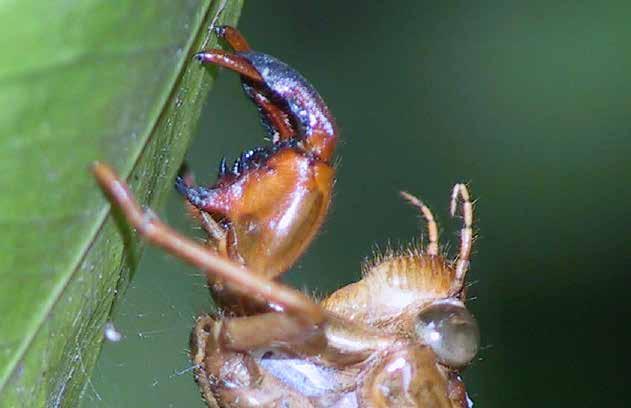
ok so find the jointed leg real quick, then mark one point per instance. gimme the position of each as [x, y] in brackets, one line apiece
[233, 37]
[271, 112]
[214, 230]
[216, 234]
[273, 329]
[232, 378]
[267, 329]
[466, 233]
[432, 227]
[236, 276]
[273, 116]
[231, 61]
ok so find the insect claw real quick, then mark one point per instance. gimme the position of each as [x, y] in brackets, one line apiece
[223, 168]
[195, 195]
[237, 167]
[180, 185]
[234, 39]
[259, 155]
[260, 216]
[219, 30]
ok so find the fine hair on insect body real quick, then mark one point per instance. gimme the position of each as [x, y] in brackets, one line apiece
[398, 337]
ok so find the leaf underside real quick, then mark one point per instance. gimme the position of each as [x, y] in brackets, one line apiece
[93, 80]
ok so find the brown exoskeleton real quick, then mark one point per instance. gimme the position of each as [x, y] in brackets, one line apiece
[399, 337]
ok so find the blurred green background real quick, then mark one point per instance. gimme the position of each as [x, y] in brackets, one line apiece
[528, 102]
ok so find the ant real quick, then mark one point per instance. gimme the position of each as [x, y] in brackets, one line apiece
[398, 337]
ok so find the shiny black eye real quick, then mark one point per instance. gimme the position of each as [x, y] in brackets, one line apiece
[451, 331]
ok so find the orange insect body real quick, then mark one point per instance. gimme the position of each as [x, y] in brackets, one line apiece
[397, 338]
[274, 210]
[275, 198]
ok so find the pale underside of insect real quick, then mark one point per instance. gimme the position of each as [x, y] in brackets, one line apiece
[399, 337]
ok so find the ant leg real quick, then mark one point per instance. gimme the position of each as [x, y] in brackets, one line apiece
[239, 278]
[432, 227]
[231, 61]
[466, 233]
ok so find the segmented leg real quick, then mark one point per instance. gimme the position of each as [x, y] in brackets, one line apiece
[275, 121]
[231, 61]
[234, 379]
[274, 118]
[432, 227]
[214, 231]
[216, 234]
[161, 235]
[408, 377]
[466, 233]
[251, 332]
[233, 37]
[300, 105]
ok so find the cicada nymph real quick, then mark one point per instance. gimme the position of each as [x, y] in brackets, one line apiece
[399, 337]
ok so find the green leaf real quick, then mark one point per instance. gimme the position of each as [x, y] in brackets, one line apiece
[83, 81]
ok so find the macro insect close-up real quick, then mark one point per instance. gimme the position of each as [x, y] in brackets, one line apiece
[442, 223]
[398, 337]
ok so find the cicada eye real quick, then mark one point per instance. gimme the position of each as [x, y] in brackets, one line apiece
[451, 331]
